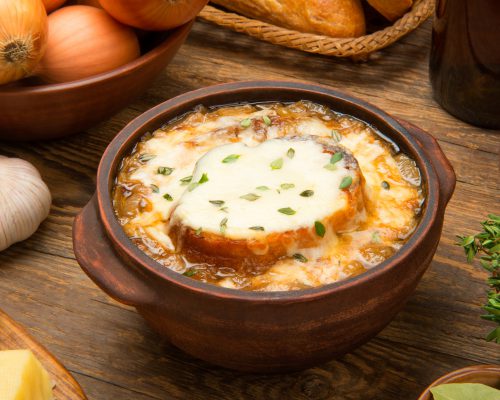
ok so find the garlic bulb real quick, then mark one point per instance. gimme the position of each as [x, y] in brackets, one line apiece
[24, 200]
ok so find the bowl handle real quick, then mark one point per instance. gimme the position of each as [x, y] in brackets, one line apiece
[95, 254]
[442, 166]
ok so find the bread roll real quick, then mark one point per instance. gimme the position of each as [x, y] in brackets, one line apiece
[391, 9]
[336, 18]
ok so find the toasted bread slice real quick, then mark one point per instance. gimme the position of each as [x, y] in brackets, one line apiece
[250, 206]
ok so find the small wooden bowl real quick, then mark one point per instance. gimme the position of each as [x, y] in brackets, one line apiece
[39, 112]
[485, 374]
[261, 331]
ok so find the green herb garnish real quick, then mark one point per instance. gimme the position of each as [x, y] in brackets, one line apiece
[336, 135]
[231, 158]
[217, 203]
[346, 182]
[385, 185]
[166, 196]
[267, 120]
[165, 170]
[155, 188]
[190, 272]
[487, 243]
[198, 231]
[223, 225]
[307, 193]
[250, 197]
[186, 180]
[330, 167]
[277, 164]
[257, 228]
[287, 211]
[286, 186]
[194, 185]
[224, 209]
[246, 123]
[262, 188]
[300, 257]
[320, 228]
[143, 158]
[376, 237]
[336, 157]
[290, 153]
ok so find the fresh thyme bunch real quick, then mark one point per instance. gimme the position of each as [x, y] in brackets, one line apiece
[487, 243]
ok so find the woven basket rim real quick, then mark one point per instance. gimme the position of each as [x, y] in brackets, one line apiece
[359, 47]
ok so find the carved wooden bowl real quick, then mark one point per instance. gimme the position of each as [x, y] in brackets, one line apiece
[259, 331]
[30, 111]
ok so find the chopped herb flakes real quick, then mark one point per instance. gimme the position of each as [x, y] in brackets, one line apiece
[290, 153]
[262, 188]
[286, 186]
[190, 272]
[143, 158]
[186, 180]
[287, 211]
[385, 185]
[165, 170]
[166, 196]
[231, 158]
[224, 209]
[336, 157]
[267, 120]
[330, 167]
[194, 185]
[250, 197]
[307, 193]
[217, 203]
[257, 228]
[155, 189]
[300, 257]
[223, 225]
[246, 123]
[203, 179]
[320, 228]
[277, 164]
[198, 231]
[376, 237]
[346, 182]
[336, 136]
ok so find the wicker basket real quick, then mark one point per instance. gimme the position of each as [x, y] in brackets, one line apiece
[357, 48]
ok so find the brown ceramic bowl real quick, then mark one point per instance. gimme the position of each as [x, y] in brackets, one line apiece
[486, 374]
[35, 112]
[256, 331]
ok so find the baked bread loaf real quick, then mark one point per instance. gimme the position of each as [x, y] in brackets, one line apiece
[391, 9]
[335, 18]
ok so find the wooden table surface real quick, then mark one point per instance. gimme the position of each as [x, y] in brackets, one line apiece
[114, 355]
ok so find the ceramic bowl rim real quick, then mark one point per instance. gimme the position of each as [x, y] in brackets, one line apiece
[116, 234]
[162, 47]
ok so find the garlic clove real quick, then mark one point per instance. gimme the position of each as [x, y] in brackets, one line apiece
[24, 200]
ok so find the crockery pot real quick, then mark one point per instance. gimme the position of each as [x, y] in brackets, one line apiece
[261, 331]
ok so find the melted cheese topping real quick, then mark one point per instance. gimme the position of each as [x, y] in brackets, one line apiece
[154, 182]
[251, 190]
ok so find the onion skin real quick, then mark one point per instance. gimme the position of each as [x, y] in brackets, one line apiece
[51, 5]
[153, 15]
[85, 41]
[23, 37]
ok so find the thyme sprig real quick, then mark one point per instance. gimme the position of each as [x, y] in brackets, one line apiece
[487, 244]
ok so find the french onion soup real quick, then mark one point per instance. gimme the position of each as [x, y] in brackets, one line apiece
[268, 197]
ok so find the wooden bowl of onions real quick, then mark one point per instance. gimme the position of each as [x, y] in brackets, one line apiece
[85, 67]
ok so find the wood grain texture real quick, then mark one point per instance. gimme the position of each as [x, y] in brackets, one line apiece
[114, 355]
[14, 337]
